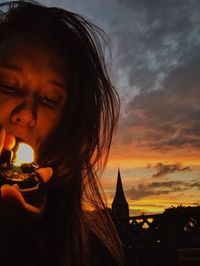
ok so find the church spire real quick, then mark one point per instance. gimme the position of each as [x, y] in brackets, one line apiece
[120, 205]
[119, 188]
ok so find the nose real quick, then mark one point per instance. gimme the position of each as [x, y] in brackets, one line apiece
[23, 116]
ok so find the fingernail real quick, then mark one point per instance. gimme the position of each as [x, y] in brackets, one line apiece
[16, 186]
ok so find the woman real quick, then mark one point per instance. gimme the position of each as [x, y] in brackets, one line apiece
[55, 94]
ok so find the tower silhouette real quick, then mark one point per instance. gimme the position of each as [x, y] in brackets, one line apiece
[120, 212]
[120, 208]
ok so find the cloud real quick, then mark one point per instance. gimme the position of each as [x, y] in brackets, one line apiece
[196, 185]
[165, 169]
[156, 60]
[167, 118]
[160, 188]
[153, 37]
[157, 56]
[195, 204]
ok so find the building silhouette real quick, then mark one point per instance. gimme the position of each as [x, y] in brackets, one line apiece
[120, 211]
[120, 206]
[171, 238]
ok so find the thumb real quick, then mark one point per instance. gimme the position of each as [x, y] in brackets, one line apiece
[12, 196]
[45, 173]
[9, 142]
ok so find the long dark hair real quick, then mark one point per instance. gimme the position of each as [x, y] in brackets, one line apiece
[79, 147]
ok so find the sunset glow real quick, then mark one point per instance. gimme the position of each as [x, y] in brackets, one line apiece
[155, 68]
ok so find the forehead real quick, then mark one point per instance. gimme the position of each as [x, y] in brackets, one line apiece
[21, 47]
[33, 64]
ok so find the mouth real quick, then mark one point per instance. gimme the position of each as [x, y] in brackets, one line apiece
[21, 140]
[18, 139]
[21, 137]
[17, 142]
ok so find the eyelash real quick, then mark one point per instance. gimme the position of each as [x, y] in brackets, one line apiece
[49, 102]
[14, 90]
[9, 89]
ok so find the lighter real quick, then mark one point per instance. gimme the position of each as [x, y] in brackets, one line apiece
[19, 169]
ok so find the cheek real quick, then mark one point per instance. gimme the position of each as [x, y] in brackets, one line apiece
[47, 123]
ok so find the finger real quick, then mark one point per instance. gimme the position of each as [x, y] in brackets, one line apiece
[16, 204]
[45, 173]
[2, 137]
[36, 211]
[12, 195]
[9, 142]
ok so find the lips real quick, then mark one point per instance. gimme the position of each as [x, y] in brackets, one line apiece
[15, 130]
[23, 140]
[19, 139]
[22, 135]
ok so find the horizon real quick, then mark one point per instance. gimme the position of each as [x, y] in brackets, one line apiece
[140, 207]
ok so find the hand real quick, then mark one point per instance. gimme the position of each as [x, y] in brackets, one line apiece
[12, 203]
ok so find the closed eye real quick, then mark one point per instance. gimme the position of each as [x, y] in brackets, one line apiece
[9, 89]
[50, 102]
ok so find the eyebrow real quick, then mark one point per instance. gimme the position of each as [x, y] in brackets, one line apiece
[17, 69]
[58, 84]
[10, 67]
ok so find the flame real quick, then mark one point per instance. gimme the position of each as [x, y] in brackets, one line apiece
[24, 154]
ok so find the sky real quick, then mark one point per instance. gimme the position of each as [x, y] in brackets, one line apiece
[155, 67]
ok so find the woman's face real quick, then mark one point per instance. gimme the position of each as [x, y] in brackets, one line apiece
[32, 89]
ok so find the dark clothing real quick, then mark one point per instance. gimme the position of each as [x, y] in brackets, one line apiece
[44, 243]
[18, 249]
